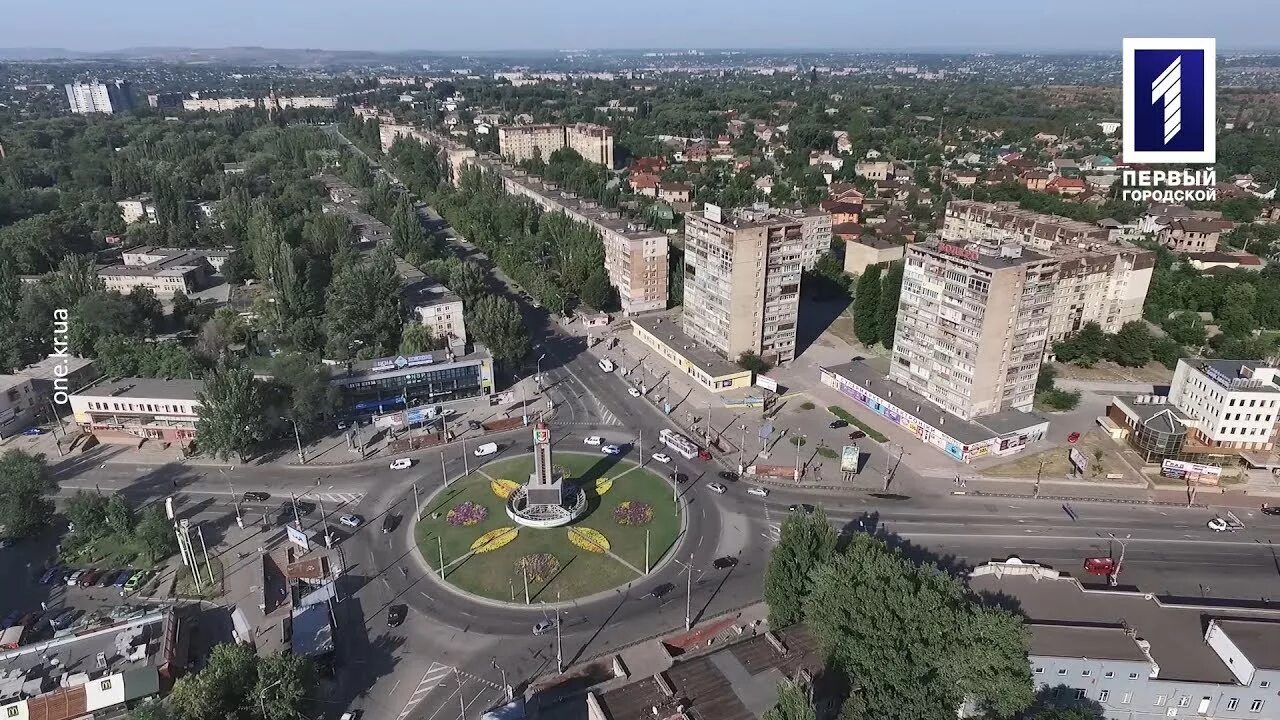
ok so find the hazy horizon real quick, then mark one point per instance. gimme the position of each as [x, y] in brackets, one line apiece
[939, 26]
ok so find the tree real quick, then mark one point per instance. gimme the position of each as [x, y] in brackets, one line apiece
[866, 307]
[24, 480]
[749, 360]
[87, 511]
[1131, 346]
[224, 329]
[805, 543]
[222, 690]
[793, 703]
[890, 290]
[1085, 348]
[155, 532]
[304, 384]
[597, 293]
[148, 312]
[1186, 328]
[183, 308]
[286, 686]
[497, 324]
[1045, 380]
[98, 315]
[467, 279]
[76, 277]
[232, 416]
[913, 639]
[119, 516]
[362, 308]
[416, 338]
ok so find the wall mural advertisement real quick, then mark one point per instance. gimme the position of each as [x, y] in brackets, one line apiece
[903, 420]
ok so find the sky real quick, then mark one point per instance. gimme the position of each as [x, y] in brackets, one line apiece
[459, 25]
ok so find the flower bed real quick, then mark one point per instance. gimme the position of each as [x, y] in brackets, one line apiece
[467, 514]
[539, 568]
[633, 512]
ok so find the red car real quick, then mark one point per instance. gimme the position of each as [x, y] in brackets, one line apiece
[704, 455]
[89, 578]
[1104, 566]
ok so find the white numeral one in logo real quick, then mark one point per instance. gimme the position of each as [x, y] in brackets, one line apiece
[1168, 87]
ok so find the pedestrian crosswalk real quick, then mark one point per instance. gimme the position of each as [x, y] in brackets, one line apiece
[465, 692]
[435, 675]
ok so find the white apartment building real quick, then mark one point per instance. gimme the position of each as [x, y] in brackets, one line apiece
[593, 142]
[137, 209]
[434, 305]
[1231, 403]
[218, 104]
[972, 325]
[96, 97]
[186, 271]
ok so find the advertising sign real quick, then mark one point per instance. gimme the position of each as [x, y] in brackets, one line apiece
[298, 537]
[767, 383]
[1078, 460]
[1180, 470]
[415, 416]
[849, 459]
[752, 401]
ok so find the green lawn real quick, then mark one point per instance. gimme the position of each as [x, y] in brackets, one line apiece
[849, 418]
[494, 574]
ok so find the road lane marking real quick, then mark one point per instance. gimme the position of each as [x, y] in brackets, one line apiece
[431, 679]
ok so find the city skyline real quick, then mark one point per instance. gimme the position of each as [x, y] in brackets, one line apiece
[812, 25]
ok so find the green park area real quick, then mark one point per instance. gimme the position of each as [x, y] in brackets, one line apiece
[486, 553]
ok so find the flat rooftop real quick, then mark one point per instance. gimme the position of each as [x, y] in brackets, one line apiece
[1175, 632]
[745, 218]
[668, 330]
[1146, 409]
[365, 369]
[174, 265]
[968, 432]
[420, 290]
[1236, 370]
[45, 369]
[1259, 640]
[739, 682]
[177, 389]
[1084, 641]
[981, 258]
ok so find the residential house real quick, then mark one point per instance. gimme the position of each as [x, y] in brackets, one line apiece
[644, 184]
[137, 209]
[826, 158]
[674, 192]
[1065, 167]
[1035, 179]
[764, 184]
[1192, 235]
[964, 178]
[1066, 186]
[842, 211]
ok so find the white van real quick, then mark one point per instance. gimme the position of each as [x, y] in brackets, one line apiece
[487, 449]
[606, 364]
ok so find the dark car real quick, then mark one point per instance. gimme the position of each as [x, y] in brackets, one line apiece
[724, 563]
[837, 423]
[1270, 510]
[108, 578]
[390, 522]
[64, 619]
[396, 615]
[256, 496]
[679, 477]
[805, 508]
[305, 508]
[662, 590]
[857, 435]
[727, 476]
[123, 578]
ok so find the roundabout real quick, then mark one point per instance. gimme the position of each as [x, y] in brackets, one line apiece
[582, 524]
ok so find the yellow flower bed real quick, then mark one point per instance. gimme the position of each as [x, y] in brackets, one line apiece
[494, 539]
[603, 485]
[503, 487]
[590, 540]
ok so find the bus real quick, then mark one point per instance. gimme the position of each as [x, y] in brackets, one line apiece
[681, 445]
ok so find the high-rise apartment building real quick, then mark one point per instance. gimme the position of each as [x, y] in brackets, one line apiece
[96, 97]
[517, 143]
[972, 325]
[1098, 281]
[742, 280]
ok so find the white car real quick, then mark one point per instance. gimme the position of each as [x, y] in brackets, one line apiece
[661, 457]
[611, 450]
[1217, 525]
[447, 412]
[606, 364]
[487, 449]
[352, 521]
[633, 392]
[717, 488]
[592, 440]
[758, 491]
[401, 464]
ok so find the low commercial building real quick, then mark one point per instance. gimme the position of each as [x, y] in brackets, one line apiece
[137, 209]
[184, 271]
[55, 375]
[150, 255]
[1153, 427]
[866, 250]
[20, 404]
[1137, 656]
[131, 409]
[394, 383]
[997, 434]
[705, 366]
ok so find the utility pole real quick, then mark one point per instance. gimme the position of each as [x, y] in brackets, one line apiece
[57, 423]
[797, 440]
[525, 573]
[1039, 472]
[646, 551]
[296, 518]
[234, 498]
[559, 643]
[208, 566]
[505, 687]
[324, 516]
[443, 472]
[688, 596]
[297, 438]
[742, 450]
[466, 464]
[417, 504]
[462, 706]
[640, 444]
[1114, 577]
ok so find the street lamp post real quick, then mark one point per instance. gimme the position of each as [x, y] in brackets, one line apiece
[297, 438]
[742, 450]
[1114, 578]
[798, 440]
[234, 498]
[540, 359]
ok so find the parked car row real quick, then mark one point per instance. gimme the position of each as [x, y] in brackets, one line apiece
[128, 580]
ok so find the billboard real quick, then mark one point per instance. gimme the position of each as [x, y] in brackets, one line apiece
[767, 383]
[1078, 460]
[1181, 470]
[298, 537]
[849, 459]
[753, 401]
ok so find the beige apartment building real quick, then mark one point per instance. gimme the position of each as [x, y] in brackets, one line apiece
[972, 325]
[218, 104]
[518, 143]
[1098, 280]
[742, 281]
[634, 256]
[186, 271]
